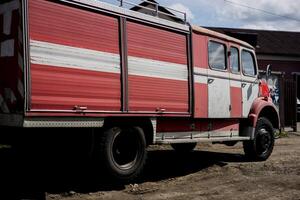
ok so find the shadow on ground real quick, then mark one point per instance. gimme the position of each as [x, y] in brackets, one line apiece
[28, 177]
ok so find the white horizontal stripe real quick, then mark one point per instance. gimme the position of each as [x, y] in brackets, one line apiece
[45, 53]
[157, 69]
[235, 76]
[200, 70]
[235, 83]
[200, 79]
[224, 74]
[249, 78]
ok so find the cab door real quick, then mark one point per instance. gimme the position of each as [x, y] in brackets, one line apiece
[235, 82]
[250, 84]
[218, 81]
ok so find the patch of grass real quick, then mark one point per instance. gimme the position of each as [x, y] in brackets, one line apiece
[281, 134]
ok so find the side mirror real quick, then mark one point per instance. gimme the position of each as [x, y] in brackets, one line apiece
[269, 71]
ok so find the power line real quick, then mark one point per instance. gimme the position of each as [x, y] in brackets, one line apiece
[261, 10]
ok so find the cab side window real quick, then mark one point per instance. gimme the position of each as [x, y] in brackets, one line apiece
[248, 63]
[216, 54]
[234, 60]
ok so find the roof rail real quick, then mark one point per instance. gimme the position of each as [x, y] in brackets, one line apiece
[182, 15]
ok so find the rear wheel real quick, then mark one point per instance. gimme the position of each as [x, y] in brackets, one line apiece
[122, 152]
[184, 147]
[262, 146]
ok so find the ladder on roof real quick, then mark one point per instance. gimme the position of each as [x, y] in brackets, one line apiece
[176, 13]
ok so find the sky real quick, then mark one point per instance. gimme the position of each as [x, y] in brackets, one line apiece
[283, 15]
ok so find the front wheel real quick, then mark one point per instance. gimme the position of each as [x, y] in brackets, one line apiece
[122, 152]
[262, 146]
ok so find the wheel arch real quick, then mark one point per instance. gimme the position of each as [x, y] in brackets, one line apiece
[263, 108]
[271, 114]
[142, 122]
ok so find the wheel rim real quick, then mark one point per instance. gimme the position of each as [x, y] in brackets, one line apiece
[125, 149]
[264, 141]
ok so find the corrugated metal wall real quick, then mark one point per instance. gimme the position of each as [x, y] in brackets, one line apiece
[158, 71]
[75, 61]
[74, 58]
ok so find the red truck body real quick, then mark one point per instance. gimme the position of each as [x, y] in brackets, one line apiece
[82, 63]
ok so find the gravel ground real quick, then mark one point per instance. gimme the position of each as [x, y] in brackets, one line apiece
[210, 172]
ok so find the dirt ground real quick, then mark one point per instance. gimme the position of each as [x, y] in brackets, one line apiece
[210, 172]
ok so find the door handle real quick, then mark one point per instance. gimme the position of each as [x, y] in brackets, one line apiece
[80, 108]
[160, 110]
[210, 80]
[244, 85]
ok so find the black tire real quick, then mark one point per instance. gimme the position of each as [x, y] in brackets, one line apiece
[122, 153]
[261, 147]
[184, 147]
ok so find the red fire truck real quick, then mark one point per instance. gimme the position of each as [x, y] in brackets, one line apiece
[135, 79]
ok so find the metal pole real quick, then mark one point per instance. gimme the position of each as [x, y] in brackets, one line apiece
[156, 9]
[121, 3]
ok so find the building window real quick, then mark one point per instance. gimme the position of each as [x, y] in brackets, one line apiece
[248, 63]
[234, 60]
[216, 54]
